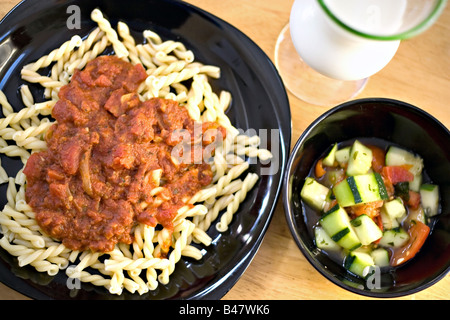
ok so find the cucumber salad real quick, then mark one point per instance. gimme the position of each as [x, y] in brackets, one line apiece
[373, 203]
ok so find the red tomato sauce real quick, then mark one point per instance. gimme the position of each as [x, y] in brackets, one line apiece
[93, 184]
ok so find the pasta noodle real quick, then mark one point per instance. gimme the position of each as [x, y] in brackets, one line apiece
[138, 267]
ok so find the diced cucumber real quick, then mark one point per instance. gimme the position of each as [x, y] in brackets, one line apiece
[366, 229]
[336, 224]
[394, 238]
[314, 193]
[342, 156]
[348, 239]
[334, 175]
[416, 183]
[381, 186]
[335, 220]
[360, 189]
[380, 257]
[331, 157]
[395, 208]
[364, 249]
[360, 160]
[429, 195]
[415, 215]
[357, 262]
[344, 194]
[324, 241]
[388, 222]
[397, 156]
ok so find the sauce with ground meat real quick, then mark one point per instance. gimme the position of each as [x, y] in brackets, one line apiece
[106, 153]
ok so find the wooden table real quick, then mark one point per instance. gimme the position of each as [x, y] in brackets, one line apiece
[418, 74]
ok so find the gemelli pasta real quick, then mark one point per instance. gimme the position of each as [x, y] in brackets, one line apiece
[146, 262]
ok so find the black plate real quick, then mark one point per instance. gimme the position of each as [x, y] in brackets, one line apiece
[34, 28]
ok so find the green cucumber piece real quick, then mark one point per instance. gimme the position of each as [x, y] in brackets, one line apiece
[416, 183]
[357, 262]
[324, 241]
[344, 194]
[395, 208]
[394, 238]
[331, 157]
[342, 156]
[366, 229]
[380, 257]
[381, 186]
[335, 220]
[314, 193]
[357, 193]
[360, 189]
[429, 195]
[388, 222]
[336, 224]
[396, 156]
[360, 160]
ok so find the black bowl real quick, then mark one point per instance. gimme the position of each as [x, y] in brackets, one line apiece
[385, 120]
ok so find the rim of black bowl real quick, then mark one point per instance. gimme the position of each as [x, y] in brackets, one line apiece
[288, 210]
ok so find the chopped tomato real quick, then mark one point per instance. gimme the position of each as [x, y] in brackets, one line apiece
[414, 200]
[389, 186]
[396, 174]
[418, 233]
[379, 222]
[319, 170]
[378, 156]
[371, 209]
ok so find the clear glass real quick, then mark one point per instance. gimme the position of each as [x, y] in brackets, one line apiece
[330, 48]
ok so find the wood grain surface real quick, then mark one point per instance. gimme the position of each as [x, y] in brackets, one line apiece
[418, 74]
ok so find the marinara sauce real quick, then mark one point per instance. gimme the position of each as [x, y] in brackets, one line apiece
[107, 152]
